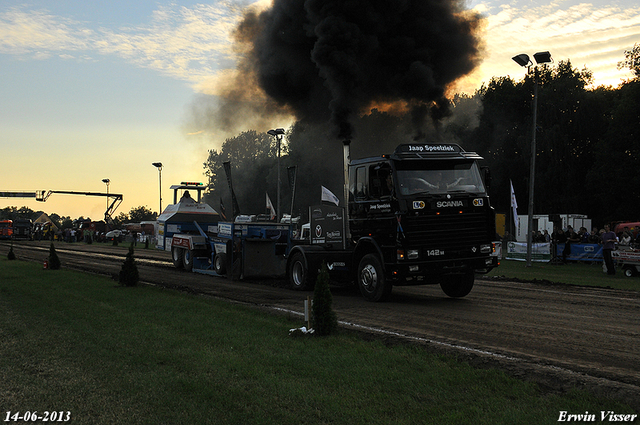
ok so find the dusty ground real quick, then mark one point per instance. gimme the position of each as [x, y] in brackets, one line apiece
[556, 335]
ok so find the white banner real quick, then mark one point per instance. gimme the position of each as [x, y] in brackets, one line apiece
[539, 251]
[514, 206]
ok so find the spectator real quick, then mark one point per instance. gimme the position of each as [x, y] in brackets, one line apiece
[625, 237]
[595, 236]
[584, 235]
[609, 240]
[572, 238]
[547, 236]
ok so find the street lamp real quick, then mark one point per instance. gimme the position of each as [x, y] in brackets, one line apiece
[278, 133]
[158, 165]
[107, 181]
[523, 60]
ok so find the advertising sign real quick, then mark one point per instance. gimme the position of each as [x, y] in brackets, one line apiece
[327, 225]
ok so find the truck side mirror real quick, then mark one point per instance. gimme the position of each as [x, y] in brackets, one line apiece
[486, 176]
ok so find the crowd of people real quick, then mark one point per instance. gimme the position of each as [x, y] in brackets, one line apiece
[625, 238]
[610, 241]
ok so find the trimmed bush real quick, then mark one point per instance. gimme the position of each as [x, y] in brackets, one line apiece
[129, 272]
[54, 261]
[324, 320]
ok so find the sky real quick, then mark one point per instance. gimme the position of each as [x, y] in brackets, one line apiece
[102, 89]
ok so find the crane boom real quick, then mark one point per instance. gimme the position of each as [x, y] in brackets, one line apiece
[17, 194]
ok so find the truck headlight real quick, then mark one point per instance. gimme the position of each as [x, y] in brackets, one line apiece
[413, 254]
[486, 249]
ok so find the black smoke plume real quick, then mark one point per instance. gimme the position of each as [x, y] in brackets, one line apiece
[329, 60]
[375, 71]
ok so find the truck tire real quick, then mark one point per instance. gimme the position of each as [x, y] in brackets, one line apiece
[629, 271]
[371, 279]
[220, 264]
[458, 285]
[177, 256]
[187, 259]
[299, 277]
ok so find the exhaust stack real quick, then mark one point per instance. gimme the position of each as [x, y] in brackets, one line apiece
[347, 161]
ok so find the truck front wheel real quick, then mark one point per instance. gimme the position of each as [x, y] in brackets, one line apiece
[371, 280]
[458, 285]
[176, 255]
[299, 276]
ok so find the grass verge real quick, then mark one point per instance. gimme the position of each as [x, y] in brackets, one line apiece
[109, 355]
[578, 273]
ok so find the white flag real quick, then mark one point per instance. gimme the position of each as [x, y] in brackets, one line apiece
[272, 211]
[328, 196]
[514, 206]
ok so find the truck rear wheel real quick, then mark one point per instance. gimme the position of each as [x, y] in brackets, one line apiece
[220, 264]
[371, 279]
[458, 285]
[299, 276]
[187, 260]
[177, 256]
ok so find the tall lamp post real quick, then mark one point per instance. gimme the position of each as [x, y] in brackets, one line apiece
[278, 133]
[158, 165]
[107, 181]
[106, 222]
[523, 60]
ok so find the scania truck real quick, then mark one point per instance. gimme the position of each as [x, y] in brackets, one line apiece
[420, 215]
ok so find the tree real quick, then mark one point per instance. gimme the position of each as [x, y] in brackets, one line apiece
[569, 125]
[120, 219]
[54, 261]
[141, 213]
[252, 156]
[631, 60]
[324, 319]
[613, 178]
[129, 272]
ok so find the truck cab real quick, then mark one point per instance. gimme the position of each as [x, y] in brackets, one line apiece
[424, 212]
[420, 215]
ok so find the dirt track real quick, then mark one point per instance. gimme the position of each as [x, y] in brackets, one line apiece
[559, 336]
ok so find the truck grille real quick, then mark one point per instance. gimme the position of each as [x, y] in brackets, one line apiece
[448, 232]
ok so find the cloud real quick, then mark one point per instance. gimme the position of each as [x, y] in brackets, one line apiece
[590, 35]
[191, 44]
[194, 44]
[37, 32]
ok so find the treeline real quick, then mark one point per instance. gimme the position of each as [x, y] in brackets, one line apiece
[588, 147]
[135, 215]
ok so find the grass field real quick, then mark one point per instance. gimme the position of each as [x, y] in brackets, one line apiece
[579, 273]
[78, 343]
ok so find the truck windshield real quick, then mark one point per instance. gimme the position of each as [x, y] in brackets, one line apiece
[439, 177]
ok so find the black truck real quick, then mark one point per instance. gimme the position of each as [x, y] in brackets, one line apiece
[420, 215]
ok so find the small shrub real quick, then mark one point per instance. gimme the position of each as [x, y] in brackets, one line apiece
[54, 261]
[129, 272]
[11, 255]
[323, 320]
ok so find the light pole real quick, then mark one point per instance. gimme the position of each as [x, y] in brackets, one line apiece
[158, 165]
[278, 133]
[107, 181]
[523, 60]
